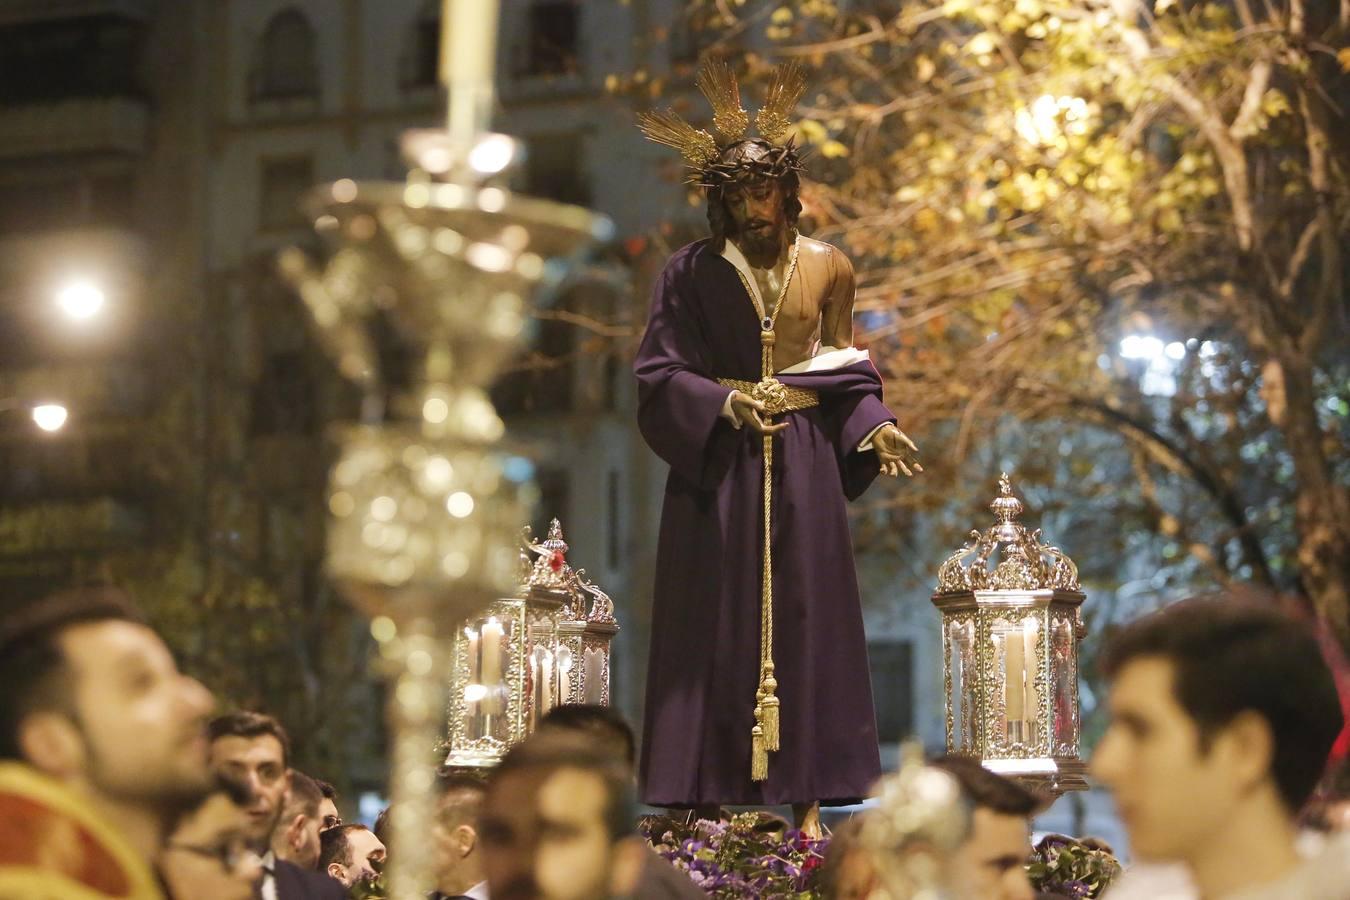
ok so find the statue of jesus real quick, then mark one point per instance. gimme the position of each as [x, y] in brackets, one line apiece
[749, 386]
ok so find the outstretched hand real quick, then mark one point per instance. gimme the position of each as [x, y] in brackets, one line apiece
[896, 452]
[750, 411]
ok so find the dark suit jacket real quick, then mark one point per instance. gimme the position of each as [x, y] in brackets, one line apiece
[295, 883]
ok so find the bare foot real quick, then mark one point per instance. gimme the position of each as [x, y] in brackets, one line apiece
[807, 818]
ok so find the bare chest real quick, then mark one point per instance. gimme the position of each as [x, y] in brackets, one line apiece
[797, 326]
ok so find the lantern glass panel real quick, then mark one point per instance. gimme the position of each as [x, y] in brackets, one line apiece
[487, 644]
[960, 662]
[596, 676]
[1065, 668]
[1015, 646]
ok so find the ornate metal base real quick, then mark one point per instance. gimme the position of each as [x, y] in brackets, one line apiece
[1055, 776]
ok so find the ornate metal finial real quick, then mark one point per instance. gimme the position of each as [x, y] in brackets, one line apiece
[549, 570]
[1026, 564]
[602, 607]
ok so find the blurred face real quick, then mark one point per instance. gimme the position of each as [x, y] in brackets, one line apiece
[141, 721]
[992, 862]
[208, 853]
[258, 762]
[365, 857]
[759, 222]
[544, 836]
[855, 878]
[1170, 794]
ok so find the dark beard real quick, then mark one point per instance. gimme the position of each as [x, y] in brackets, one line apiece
[761, 249]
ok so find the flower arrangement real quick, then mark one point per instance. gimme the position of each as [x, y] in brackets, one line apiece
[1072, 868]
[753, 855]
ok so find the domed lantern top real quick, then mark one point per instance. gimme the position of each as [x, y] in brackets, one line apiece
[1025, 563]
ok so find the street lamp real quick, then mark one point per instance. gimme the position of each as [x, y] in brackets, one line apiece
[50, 416]
[47, 416]
[81, 300]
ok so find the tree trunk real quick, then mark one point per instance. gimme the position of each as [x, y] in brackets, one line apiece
[1322, 507]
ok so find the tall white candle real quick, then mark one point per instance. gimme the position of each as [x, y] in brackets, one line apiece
[1030, 635]
[468, 64]
[492, 665]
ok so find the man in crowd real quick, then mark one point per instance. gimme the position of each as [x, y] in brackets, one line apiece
[102, 747]
[208, 854]
[608, 730]
[328, 811]
[255, 750]
[557, 823]
[296, 837]
[1222, 713]
[992, 862]
[459, 852]
[351, 853]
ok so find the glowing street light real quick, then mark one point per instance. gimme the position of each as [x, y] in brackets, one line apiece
[81, 300]
[50, 416]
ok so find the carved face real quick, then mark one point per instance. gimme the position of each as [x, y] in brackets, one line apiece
[758, 219]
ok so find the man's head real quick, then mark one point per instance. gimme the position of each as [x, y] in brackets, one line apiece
[328, 811]
[993, 859]
[557, 823]
[93, 698]
[296, 837]
[208, 853]
[753, 197]
[351, 853]
[459, 860]
[1222, 711]
[601, 724]
[254, 749]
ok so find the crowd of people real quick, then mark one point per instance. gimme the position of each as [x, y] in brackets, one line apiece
[117, 779]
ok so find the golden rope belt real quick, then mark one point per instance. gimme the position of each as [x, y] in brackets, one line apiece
[777, 398]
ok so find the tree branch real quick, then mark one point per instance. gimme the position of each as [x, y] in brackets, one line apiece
[1169, 453]
[1258, 80]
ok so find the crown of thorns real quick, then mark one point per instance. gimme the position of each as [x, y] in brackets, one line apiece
[703, 153]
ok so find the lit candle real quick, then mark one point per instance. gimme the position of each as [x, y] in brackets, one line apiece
[492, 665]
[1030, 634]
[1014, 675]
[468, 64]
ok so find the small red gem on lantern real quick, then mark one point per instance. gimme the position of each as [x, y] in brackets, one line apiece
[555, 561]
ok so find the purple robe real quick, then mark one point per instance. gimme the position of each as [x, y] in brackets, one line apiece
[704, 662]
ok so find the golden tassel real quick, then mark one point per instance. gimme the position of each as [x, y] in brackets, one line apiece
[759, 756]
[770, 720]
